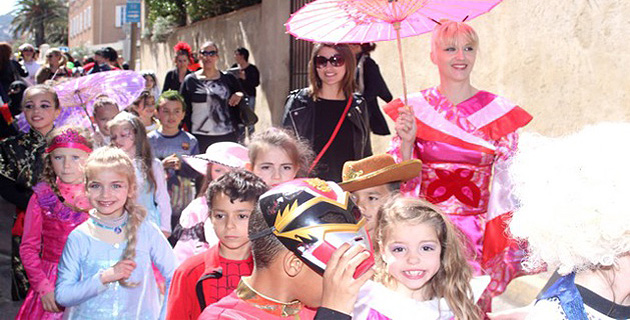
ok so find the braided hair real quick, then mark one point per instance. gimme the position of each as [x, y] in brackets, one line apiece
[114, 159]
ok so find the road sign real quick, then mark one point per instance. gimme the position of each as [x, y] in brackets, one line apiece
[133, 12]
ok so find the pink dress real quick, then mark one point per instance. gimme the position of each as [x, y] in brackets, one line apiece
[465, 150]
[46, 227]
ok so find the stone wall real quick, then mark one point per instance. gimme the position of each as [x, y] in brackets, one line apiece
[566, 62]
[258, 28]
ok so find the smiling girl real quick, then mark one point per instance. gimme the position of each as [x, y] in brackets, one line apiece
[420, 258]
[105, 269]
[328, 114]
[21, 166]
[58, 205]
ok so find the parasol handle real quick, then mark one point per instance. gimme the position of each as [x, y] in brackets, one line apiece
[400, 59]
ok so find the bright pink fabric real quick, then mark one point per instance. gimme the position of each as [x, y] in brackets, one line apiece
[460, 179]
[46, 233]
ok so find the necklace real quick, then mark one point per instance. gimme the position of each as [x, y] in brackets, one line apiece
[115, 225]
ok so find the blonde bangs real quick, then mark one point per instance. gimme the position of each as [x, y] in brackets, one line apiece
[449, 32]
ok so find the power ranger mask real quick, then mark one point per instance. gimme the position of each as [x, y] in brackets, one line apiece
[313, 218]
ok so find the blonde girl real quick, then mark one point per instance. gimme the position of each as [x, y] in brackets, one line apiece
[127, 133]
[57, 206]
[276, 156]
[105, 269]
[420, 257]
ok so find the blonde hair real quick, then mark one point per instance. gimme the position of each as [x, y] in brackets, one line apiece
[114, 159]
[452, 281]
[571, 190]
[298, 150]
[62, 61]
[140, 140]
[448, 31]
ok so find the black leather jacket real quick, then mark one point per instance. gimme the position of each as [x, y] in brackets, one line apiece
[299, 116]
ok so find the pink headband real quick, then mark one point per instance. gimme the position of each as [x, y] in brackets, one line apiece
[69, 138]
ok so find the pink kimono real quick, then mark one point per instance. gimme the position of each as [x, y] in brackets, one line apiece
[47, 224]
[465, 150]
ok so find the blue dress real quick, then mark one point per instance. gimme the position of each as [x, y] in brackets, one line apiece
[84, 257]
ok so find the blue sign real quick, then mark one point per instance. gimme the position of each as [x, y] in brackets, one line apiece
[133, 12]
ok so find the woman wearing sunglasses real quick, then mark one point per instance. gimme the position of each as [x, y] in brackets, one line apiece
[328, 113]
[27, 53]
[212, 97]
[55, 67]
[465, 138]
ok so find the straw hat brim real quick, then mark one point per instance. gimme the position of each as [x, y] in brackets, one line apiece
[403, 171]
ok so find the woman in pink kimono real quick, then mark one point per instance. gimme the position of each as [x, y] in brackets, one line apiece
[464, 138]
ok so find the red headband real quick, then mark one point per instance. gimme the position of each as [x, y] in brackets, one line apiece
[69, 138]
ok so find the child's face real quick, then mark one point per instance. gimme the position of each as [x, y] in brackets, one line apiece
[122, 137]
[274, 166]
[170, 114]
[68, 164]
[369, 201]
[107, 191]
[230, 221]
[218, 170]
[103, 115]
[39, 110]
[412, 255]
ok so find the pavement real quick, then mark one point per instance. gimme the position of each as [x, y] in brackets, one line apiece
[8, 308]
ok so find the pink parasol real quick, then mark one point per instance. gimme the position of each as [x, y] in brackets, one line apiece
[359, 21]
[77, 96]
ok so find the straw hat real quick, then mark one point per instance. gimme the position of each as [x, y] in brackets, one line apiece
[377, 170]
[228, 154]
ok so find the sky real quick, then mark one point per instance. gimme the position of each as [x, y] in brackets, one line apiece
[7, 6]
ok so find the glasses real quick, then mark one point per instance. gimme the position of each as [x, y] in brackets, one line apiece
[50, 56]
[336, 61]
[210, 53]
[27, 50]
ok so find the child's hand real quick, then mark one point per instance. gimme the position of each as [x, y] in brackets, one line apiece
[340, 286]
[172, 161]
[48, 302]
[121, 270]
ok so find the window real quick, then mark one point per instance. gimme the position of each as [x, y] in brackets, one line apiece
[120, 15]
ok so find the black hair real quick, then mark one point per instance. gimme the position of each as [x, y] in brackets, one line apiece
[243, 52]
[237, 184]
[266, 248]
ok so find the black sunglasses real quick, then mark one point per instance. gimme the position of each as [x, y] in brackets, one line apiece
[210, 53]
[336, 61]
[28, 50]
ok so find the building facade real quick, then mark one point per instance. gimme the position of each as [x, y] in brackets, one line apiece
[96, 23]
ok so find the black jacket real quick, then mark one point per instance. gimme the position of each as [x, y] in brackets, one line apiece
[299, 116]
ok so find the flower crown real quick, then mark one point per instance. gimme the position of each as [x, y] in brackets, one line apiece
[69, 138]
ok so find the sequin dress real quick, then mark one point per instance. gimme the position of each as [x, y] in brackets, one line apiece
[84, 257]
[465, 150]
[47, 224]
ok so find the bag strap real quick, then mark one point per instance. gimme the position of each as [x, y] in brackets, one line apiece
[332, 136]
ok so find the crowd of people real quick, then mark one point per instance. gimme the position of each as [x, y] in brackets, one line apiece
[173, 208]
